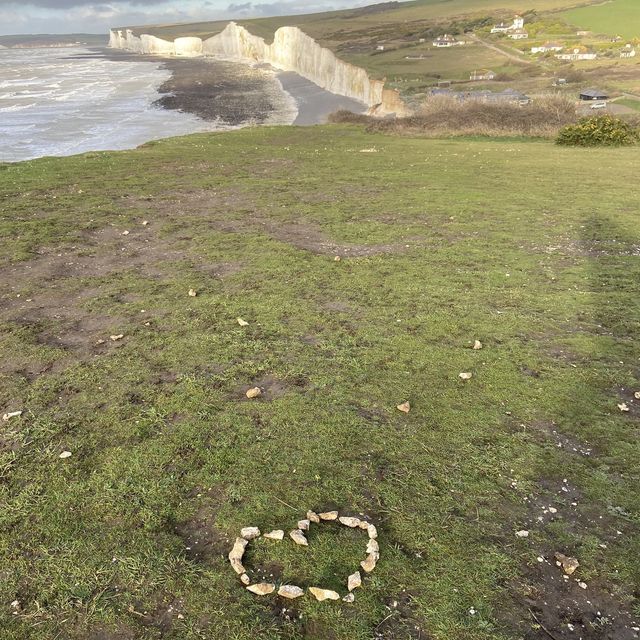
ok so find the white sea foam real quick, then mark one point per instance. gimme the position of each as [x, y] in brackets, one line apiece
[57, 102]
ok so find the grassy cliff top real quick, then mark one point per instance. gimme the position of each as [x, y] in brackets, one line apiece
[529, 248]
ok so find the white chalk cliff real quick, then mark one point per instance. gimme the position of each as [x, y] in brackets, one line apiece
[292, 50]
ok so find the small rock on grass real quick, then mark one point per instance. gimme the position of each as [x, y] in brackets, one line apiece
[370, 563]
[241, 322]
[349, 522]
[373, 546]
[298, 537]
[477, 345]
[636, 395]
[116, 337]
[245, 579]
[405, 407]
[465, 375]
[354, 581]
[568, 564]
[276, 534]
[262, 588]
[249, 533]
[324, 594]
[235, 555]
[312, 516]
[11, 414]
[254, 392]
[623, 406]
[192, 293]
[522, 534]
[328, 515]
[290, 591]
[373, 532]
[64, 455]
[349, 598]
[303, 525]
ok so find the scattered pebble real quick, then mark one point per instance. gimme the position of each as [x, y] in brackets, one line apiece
[245, 579]
[116, 337]
[145, 223]
[193, 293]
[125, 233]
[337, 259]
[64, 455]
[349, 598]
[405, 407]
[477, 345]
[522, 534]
[568, 564]
[303, 525]
[254, 392]
[582, 585]
[241, 322]
[11, 414]
[465, 375]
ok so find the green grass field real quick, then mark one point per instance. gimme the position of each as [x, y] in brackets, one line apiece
[614, 18]
[530, 248]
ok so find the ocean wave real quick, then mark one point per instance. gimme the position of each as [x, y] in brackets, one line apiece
[17, 107]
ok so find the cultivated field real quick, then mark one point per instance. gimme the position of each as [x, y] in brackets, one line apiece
[528, 248]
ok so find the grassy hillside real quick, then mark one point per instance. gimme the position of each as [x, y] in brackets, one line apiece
[614, 18]
[521, 245]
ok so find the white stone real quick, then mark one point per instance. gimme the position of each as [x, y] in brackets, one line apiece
[329, 515]
[349, 598]
[303, 525]
[64, 455]
[236, 553]
[373, 546]
[312, 516]
[465, 375]
[249, 533]
[244, 578]
[254, 392]
[324, 594]
[373, 532]
[522, 534]
[354, 581]
[276, 534]
[298, 537]
[11, 414]
[262, 588]
[290, 591]
[370, 563]
[349, 522]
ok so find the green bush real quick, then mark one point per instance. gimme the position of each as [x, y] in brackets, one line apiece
[599, 131]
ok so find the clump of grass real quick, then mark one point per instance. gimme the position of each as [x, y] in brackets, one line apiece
[446, 115]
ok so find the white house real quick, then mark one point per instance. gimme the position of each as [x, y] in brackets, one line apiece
[578, 53]
[628, 52]
[482, 74]
[447, 41]
[546, 47]
[503, 27]
[517, 34]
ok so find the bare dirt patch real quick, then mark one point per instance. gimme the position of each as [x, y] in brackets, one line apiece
[203, 541]
[401, 622]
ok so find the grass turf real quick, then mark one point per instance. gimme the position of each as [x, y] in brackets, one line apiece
[615, 18]
[528, 247]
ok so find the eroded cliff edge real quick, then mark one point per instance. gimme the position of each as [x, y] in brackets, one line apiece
[291, 50]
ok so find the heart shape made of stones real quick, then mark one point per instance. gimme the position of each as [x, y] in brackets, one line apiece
[292, 591]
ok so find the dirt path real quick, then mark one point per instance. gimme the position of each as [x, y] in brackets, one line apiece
[511, 56]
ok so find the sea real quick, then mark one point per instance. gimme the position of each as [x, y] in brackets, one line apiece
[59, 102]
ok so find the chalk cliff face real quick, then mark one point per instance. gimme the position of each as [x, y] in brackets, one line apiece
[292, 50]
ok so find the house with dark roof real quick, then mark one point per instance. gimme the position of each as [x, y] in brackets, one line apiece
[593, 94]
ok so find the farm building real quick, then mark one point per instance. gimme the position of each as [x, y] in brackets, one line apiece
[503, 27]
[628, 52]
[577, 53]
[482, 74]
[517, 34]
[546, 47]
[593, 94]
[447, 41]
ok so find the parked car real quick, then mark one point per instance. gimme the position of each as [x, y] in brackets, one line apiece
[599, 105]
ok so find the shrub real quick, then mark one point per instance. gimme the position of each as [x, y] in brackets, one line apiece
[446, 115]
[599, 131]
